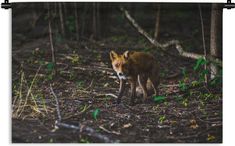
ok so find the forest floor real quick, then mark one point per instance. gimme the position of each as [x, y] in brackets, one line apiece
[83, 85]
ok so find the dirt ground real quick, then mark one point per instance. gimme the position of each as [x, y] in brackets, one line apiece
[186, 119]
[85, 83]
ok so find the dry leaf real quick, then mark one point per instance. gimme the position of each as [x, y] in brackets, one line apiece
[194, 124]
[127, 125]
[210, 137]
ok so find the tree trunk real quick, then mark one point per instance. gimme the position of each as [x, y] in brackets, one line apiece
[157, 24]
[83, 19]
[215, 45]
[51, 40]
[203, 42]
[94, 20]
[97, 20]
[61, 20]
[76, 22]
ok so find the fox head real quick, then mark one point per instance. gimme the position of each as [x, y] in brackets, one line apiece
[121, 64]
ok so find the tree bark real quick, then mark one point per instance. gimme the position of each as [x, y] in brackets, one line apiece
[51, 40]
[61, 19]
[216, 14]
[76, 22]
[203, 41]
[157, 23]
[94, 20]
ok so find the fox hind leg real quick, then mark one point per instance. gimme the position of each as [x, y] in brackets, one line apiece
[142, 79]
[154, 78]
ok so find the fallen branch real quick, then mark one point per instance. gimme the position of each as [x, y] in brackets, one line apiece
[111, 132]
[81, 128]
[57, 104]
[163, 47]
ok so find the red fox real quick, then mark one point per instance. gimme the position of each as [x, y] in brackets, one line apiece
[133, 67]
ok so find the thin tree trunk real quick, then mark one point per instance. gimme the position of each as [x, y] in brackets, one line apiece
[94, 20]
[97, 20]
[65, 10]
[83, 19]
[76, 22]
[203, 41]
[61, 19]
[51, 39]
[157, 24]
[216, 13]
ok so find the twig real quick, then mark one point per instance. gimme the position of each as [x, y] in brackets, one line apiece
[91, 84]
[57, 104]
[163, 47]
[110, 94]
[112, 132]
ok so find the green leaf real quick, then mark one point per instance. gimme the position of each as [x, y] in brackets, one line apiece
[182, 86]
[200, 62]
[184, 72]
[162, 118]
[159, 98]
[195, 83]
[95, 113]
[50, 66]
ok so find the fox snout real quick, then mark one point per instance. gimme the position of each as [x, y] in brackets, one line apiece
[121, 75]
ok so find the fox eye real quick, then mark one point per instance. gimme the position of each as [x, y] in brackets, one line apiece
[117, 65]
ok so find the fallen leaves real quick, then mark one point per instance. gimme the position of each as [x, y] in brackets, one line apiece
[193, 124]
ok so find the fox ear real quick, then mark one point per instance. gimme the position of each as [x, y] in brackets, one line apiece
[113, 55]
[126, 54]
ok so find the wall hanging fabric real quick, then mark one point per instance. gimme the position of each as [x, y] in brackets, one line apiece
[116, 72]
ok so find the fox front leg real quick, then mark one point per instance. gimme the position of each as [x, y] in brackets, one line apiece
[133, 90]
[121, 90]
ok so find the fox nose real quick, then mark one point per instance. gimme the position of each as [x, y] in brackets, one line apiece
[120, 74]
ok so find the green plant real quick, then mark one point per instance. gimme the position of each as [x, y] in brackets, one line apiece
[84, 140]
[75, 59]
[185, 102]
[80, 83]
[50, 70]
[162, 118]
[178, 98]
[183, 86]
[200, 69]
[72, 75]
[95, 113]
[159, 99]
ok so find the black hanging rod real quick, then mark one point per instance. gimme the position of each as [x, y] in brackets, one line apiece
[228, 5]
[6, 4]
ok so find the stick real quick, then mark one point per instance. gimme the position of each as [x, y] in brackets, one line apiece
[106, 130]
[57, 104]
